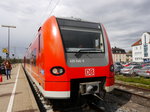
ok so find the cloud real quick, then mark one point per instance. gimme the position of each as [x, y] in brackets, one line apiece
[125, 20]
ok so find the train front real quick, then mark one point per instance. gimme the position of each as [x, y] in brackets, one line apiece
[89, 65]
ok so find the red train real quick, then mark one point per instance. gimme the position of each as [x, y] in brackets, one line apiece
[69, 58]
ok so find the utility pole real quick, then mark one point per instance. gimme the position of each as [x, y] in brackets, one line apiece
[7, 26]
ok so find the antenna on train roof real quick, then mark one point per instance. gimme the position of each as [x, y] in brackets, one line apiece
[72, 18]
[76, 18]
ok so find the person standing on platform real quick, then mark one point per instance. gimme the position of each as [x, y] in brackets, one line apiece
[8, 69]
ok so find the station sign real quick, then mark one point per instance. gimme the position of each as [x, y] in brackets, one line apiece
[5, 50]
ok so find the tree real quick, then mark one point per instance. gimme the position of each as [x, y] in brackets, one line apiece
[129, 52]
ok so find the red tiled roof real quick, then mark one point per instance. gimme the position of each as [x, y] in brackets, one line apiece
[139, 42]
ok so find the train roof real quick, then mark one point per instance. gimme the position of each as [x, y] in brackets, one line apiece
[77, 19]
[75, 22]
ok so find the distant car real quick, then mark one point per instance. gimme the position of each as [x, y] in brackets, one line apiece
[131, 63]
[118, 63]
[145, 71]
[2, 69]
[130, 70]
[127, 64]
[117, 67]
[145, 64]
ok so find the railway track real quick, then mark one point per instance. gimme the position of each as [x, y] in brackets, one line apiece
[136, 94]
[131, 86]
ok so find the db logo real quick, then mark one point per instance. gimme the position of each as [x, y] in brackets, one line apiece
[89, 72]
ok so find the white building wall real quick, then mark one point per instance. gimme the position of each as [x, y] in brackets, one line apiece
[149, 50]
[119, 57]
[138, 51]
[124, 58]
[133, 54]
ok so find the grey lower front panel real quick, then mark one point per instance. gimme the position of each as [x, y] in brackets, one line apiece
[86, 59]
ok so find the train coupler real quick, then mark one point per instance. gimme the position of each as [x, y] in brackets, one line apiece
[89, 88]
[93, 88]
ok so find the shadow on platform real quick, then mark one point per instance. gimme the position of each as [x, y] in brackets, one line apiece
[28, 110]
[9, 94]
[7, 83]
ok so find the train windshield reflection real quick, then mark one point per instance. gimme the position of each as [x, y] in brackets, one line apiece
[82, 40]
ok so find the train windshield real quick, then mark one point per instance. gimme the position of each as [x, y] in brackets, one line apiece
[82, 39]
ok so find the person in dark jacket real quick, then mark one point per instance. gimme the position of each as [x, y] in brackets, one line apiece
[8, 69]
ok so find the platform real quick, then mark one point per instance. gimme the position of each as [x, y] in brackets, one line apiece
[16, 94]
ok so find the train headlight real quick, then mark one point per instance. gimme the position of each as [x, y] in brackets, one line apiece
[112, 68]
[57, 71]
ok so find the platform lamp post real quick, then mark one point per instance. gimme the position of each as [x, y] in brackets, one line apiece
[7, 26]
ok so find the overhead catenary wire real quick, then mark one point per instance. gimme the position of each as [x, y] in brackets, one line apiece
[54, 7]
[44, 13]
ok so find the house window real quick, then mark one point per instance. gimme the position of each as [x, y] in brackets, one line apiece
[136, 48]
[145, 50]
[145, 39]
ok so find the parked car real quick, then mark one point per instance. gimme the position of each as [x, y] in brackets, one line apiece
[126, 64]
[145, 64]
[131, 63]
[145, 71]
[117, 67]
[2, 69]
[118, 63]
[130, 70]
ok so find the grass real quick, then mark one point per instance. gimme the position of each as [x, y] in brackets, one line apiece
[136, 81]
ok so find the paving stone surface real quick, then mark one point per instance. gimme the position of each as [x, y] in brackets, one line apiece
[23, 99]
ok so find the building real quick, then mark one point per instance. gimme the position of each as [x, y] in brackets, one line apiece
[129, 56]
[119, 55]
[141, 49]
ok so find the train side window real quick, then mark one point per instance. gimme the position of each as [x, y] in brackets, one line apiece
[39, 39]
[28, 58]
[33, 59]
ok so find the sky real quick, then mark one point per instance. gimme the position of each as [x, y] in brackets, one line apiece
[124, 20]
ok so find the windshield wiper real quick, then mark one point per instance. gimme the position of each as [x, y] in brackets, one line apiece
[78, 54]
